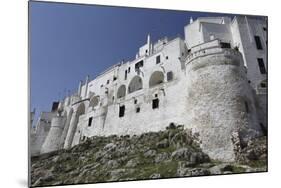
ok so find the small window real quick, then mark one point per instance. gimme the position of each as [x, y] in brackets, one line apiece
[169, 76]
[263, 85]
[138, 65]
[113, 98]
[167, 57]
[146, 51]
[90, 121]
[258, 42]
[225, 45]
[263, 128]
[107, 82]
[246, 107]
[126, 74]
[264, 28]
[114, 78]
[261, 66]
[155, 103]
[156, 95]
[137, 109]
[158, 59]
[101, 85]
[135, 101]
[129, 69]
[121, 111]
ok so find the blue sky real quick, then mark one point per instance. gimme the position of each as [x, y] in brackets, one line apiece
[70, 41]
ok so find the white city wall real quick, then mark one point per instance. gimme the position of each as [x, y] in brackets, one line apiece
[208, 92]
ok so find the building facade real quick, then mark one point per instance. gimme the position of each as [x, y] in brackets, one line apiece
[214, 81]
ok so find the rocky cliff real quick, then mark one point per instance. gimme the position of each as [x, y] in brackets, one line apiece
[171, 153]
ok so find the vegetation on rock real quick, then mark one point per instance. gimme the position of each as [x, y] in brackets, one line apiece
[174, 152]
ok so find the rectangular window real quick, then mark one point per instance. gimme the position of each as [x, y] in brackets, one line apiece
[261, 66]
[158, 59]
[246, 107]
[121, 111]
[263, 85]
[126, 74]
[169, 76]
[155, 103]
[107, 82]
[129, 69]
[137, 109]
[90, 121]
[258, 42]
[225, 45]
[114, 78]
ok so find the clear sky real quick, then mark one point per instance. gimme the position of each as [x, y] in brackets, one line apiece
[70, 41]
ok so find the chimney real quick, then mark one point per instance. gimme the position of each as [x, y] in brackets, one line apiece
[80, 88]
[148, 44]
[86, 85]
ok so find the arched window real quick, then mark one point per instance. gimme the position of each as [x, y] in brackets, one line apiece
[156, 78]
[94, 101]
[121, 92]
[135, 84]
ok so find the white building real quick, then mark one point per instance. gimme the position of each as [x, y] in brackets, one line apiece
[213, 82]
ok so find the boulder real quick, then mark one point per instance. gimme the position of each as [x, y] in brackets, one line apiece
[155, 176]
[132, 163]
[182, 154]
[161, 157]
[163, 144]
[150, 153]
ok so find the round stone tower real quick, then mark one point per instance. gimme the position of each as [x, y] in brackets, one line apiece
[52, 142]
[220, 103]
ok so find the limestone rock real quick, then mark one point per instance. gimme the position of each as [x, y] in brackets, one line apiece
[132, 163]
[150, 153]
[163, 144]
[155, 176]
[181, 154]
[161, 157]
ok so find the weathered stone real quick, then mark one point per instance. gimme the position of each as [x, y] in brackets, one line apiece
[185, 164]
[56, 159]
[215, 170]
[181, 154]
[48, 177]
[116, 174]
[132, 163]
[183, 172]
[111, 164]
[198, 157]
[155, 176]
[199, 172]
[161, 157]
[163, 144]
[110, 147]
[38, 182]
[150, 153]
